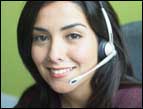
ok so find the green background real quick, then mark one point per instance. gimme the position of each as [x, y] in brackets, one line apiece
[14, 76]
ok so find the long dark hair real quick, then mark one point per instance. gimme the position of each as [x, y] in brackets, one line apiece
[108, 78]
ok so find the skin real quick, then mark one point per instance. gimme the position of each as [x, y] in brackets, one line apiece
[58, 48]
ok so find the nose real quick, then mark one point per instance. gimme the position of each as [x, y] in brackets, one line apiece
[56, 52]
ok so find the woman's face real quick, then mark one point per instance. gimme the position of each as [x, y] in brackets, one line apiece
[64, 45]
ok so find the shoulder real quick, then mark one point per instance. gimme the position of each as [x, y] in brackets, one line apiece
[27, 97]
[128, 97]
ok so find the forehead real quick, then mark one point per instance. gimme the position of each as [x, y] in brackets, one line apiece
[60, 7]
[61, 12]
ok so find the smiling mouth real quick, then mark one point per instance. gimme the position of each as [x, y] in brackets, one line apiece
[60, 72]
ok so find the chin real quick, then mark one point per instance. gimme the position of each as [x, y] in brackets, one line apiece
[62, 88]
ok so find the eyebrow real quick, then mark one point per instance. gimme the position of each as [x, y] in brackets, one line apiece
[72, 26]
[40, 29]
[63, 28]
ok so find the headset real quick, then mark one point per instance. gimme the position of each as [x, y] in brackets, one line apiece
[106, 49]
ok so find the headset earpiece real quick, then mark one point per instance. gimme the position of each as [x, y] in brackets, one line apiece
[105, 49]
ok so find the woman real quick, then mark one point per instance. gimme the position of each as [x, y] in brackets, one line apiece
[59, 41]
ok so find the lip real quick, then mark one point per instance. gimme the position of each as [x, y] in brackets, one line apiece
[59, 68]
[60, 75]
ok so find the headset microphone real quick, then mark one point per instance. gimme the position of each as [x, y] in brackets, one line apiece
[104, 61]
[106, 50]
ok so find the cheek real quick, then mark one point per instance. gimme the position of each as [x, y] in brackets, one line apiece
[79, 55]
[86, 53]
[38, 54]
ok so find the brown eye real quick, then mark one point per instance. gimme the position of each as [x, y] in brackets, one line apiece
[40, 38]
[73, 36]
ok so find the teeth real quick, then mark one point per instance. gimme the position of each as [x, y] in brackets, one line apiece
[60, 71]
